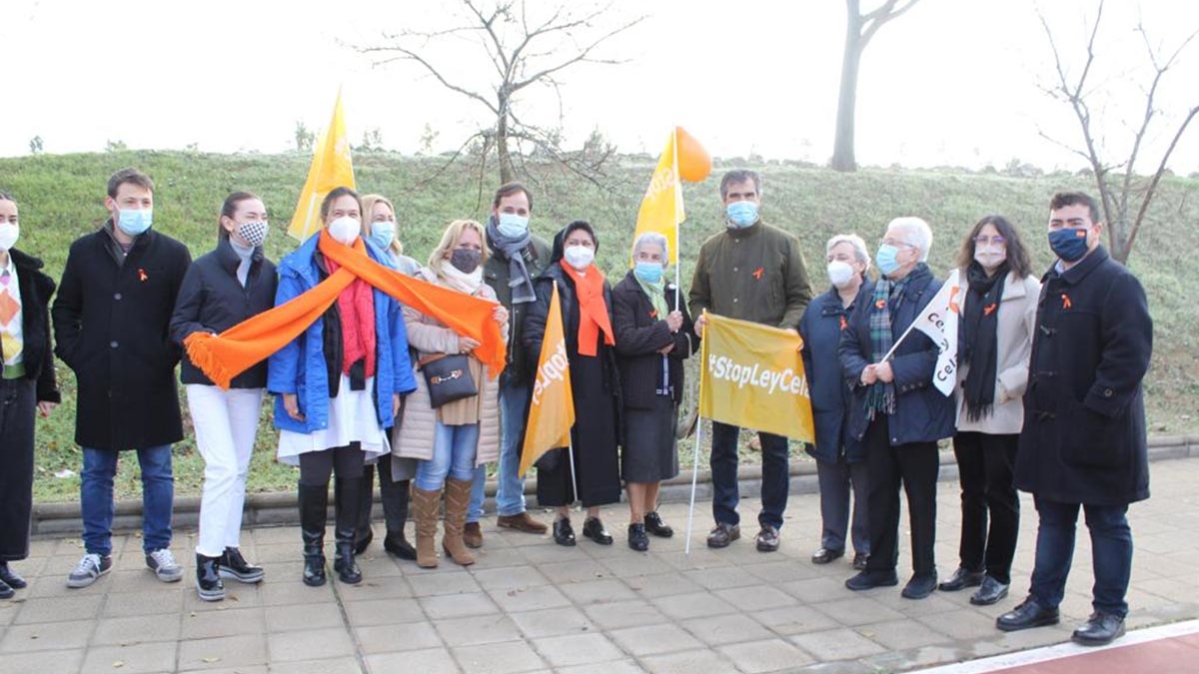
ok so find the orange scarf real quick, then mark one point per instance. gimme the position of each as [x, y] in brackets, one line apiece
[222, 357]
[356, 305]
[593, 313]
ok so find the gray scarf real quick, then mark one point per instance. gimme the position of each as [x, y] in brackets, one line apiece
[246, 255]
[513, 249]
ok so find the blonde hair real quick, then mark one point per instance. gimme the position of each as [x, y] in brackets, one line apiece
[368, 212]
[451, 236]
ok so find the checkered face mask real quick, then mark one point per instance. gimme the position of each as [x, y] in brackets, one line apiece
[253, 233]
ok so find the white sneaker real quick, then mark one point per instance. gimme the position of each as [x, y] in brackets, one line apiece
[163, 564]
[91, 567]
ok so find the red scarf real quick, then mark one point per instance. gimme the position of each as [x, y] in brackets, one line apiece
[357, 307]
[593, 312]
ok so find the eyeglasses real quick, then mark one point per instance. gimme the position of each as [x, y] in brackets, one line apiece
[983, 239]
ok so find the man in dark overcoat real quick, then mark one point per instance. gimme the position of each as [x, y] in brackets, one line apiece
[1083, 443]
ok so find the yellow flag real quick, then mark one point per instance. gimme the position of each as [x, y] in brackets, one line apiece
[552, 410]
[662, 207]
[331, 167]
[752, 376]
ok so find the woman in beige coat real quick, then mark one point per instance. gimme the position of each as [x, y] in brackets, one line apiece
[451, 440]
[998, 318]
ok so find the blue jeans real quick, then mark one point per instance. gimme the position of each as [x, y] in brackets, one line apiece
[95, 495]
[776, 476]
[510, 492]
[1111, 553]
[453, 456]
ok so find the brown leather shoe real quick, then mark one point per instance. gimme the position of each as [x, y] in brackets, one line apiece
[522, 522]
[472, 535]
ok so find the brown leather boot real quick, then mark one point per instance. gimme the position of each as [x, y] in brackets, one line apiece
[457, 500]
[425, 505]
[472, 535]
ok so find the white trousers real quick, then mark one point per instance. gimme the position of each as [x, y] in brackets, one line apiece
[226, 423]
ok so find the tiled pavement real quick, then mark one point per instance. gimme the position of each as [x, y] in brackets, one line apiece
[531, 606]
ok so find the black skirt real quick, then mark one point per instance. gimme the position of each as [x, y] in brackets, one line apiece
[650, 449]
[595, 440]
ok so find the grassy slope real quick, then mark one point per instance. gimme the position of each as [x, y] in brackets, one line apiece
[61, 198]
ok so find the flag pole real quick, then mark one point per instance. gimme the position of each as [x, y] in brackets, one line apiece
[699, 435]
[574, 476]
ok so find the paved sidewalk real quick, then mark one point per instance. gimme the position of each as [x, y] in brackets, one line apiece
[531, 606]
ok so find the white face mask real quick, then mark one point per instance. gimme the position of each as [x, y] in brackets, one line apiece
[579, 257]
[345, 229]
[8, 236]
[990, 257]
[840, 273]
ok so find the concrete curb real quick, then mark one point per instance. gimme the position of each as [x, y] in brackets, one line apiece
[280, 508]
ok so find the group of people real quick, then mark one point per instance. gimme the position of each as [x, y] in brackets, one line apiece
[1047, 396]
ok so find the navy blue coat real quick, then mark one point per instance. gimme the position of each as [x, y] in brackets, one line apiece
[922, 413]
[1084, 412]
[821, 327]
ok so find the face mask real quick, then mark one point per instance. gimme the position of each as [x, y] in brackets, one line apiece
[579, 257]
[742, 213]
[648, 272]
[8, 236]
[512, 226]
[886, 259]
[840, 273]
[135, 221]
[990, 257]
[1070, 244]
[253, 233]
[345, 229]
[382, 233]
[466, 260]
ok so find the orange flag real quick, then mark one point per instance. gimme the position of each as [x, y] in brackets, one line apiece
[662, 206]
[331, 167]
[552, 412]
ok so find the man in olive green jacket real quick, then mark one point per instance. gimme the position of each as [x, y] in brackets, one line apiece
[753, 272]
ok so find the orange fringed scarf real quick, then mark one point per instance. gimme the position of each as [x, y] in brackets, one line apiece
[593, 313]
[222, 357]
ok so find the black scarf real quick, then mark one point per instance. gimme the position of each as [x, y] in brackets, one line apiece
[977, 343]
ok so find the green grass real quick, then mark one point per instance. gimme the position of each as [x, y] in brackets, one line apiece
[61, 198]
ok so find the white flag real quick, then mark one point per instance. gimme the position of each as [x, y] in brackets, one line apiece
[939, 320]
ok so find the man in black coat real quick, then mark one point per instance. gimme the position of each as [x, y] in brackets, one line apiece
[1083, 443]
[111, 327]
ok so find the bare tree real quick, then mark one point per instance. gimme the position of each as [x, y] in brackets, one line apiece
[1118, 184]
[524, 45]
[859, 29]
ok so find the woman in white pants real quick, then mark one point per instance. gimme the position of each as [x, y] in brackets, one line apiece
[221, 289]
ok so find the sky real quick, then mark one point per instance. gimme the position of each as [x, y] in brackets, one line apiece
[951, 83]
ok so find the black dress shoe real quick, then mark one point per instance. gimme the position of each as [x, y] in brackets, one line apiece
[961, 579]
[208, 578]
[860, 560]
[396, 544]
[6, 592]
[362, 542]
[920, 586]
[871, 579]
[638, 540]
[723, 534]
[234, 566]
[594, 529]
[1101, 628]
[11, 578]
[564, 534]
[989, 592]
[655, 526]
[826, 555]
[1027, 615]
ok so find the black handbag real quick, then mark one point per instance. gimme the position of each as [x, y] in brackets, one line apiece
[448, 378]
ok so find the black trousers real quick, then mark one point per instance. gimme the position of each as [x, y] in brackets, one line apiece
[18, 403]
[985, 465]
[915, 466]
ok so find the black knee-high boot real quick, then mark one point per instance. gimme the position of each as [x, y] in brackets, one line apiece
[395, 513]
[314, 506]
[347, 505]
[363, 534]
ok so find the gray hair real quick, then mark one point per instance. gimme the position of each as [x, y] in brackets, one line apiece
[919, 234]
[653, 237]
[858, 244]
[740, 176]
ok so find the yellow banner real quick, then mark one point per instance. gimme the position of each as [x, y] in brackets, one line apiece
[662, 207]
[752, 376]
[552, 409]
[331, 167]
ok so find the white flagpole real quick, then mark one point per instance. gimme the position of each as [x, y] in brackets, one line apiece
[574, 476]
[699, 435]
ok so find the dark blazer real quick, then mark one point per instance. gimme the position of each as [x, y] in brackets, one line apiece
[821, 327]
[211, 299]
[640, 334]
[534, 327]
[1084, 412]
[922, 413]
[36, 289]
[112, 327]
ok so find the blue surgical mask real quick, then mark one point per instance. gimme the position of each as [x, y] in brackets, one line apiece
[742, 214]
[512, 226]
[382, 233]
[135, 221]
[648, 272]
[886, 259]
[1069, 243]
